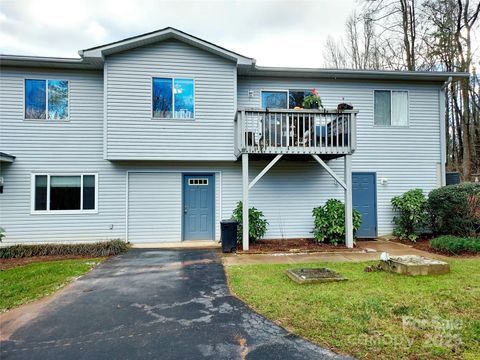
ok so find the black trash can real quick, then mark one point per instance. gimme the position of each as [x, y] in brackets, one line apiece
[228, 235]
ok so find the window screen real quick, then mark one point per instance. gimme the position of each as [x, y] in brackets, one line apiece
[382, 108]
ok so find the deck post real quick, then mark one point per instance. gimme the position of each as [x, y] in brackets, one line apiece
[245, 201]
[348, 202]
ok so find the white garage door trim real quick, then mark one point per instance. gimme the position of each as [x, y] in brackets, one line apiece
[217, 173]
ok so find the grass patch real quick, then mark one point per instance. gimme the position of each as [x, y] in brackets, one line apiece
[372, 315]
[23, 284]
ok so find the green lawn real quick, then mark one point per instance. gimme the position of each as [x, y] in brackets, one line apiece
[374, 314]
[25, 283]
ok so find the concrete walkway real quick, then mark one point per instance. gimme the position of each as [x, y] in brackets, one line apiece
[152, 304]
[367, 251]
[188, 244]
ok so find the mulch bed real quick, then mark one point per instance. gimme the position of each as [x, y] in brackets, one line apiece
[423, 243]
[291, 246]
[11, 263]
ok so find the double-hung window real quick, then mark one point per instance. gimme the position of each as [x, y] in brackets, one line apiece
[46, 99]
[59, 193]
[391, 107]
[173, 98]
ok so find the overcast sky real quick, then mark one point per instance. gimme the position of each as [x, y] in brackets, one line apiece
[276, 33]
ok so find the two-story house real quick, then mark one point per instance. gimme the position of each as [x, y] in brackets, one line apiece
[155, 138]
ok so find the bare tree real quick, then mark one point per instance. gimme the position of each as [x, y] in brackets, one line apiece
[422, 35]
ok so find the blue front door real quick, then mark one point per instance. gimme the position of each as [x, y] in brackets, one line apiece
[365, 201]
[198, 207]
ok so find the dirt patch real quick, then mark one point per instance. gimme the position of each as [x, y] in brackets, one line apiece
[423, 243]
[292, 246]
[11, 263]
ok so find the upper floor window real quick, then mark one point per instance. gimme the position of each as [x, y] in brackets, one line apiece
[65, 192]
[274, 99]
[173, 98]
[391, 107]
[46, 99]
[296, 97]
[288, 99]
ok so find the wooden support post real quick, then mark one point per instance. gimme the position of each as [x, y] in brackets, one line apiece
[245, 201]
[348, 202]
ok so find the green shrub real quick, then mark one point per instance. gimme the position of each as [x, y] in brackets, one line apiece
[412, 215]
[454, 209]
[257, 223]
[456, 245]
[107, 248]
[329, 222]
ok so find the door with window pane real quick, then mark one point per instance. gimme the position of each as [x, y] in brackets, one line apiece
[198, 207]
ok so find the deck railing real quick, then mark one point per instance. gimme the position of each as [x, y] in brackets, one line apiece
[282, 131]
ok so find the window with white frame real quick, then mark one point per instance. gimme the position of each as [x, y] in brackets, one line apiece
[173, 98]
[391, 107]
[64, 192]
[46, 99]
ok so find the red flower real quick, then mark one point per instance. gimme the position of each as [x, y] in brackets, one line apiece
[314, 92]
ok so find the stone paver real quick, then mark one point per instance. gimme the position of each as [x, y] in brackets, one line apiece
[154, 304]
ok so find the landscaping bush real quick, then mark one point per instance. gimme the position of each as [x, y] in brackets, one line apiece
[108, 248]
[454, 209]
[456, 245]
[329, 221]
[412, 217]
[257, 223]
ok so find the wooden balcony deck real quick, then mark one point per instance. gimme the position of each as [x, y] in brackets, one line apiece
[331, 133]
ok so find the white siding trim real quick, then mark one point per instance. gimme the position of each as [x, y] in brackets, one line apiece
[443, 141]
[105, 109]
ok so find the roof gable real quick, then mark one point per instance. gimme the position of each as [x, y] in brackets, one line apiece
[99, 52]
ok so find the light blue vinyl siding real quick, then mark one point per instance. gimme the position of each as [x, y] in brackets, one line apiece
[131, 132]
[50, 146]
[408, 157]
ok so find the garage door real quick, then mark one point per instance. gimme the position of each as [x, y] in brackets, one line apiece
[154, 207]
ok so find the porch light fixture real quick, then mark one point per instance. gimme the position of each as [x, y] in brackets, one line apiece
[383, 181]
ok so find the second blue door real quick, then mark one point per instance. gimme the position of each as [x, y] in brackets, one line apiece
[365, 200]
[198, 207]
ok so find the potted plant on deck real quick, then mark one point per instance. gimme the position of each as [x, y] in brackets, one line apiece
[312, 101]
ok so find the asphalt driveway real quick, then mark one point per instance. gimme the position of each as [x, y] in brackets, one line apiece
[152, 304]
